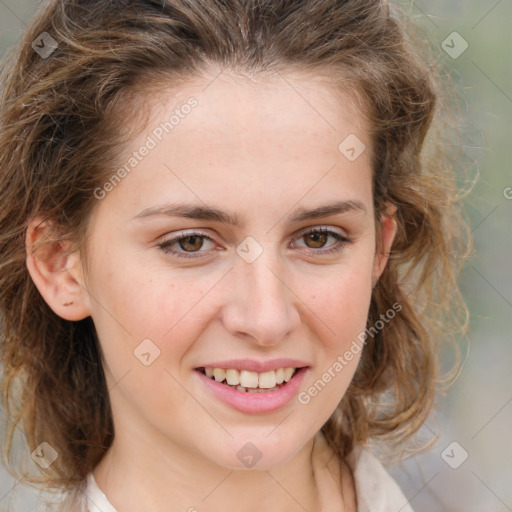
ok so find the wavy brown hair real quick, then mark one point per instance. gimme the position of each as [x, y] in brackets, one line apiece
[61, 136]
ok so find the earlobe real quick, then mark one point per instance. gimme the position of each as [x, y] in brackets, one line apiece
[386, 233]
[55, 271]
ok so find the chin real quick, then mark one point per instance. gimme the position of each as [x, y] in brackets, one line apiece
[256, 452]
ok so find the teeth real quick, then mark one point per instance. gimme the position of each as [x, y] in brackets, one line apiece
[233, 377]
[248, 379]
[268, 379]
[219, 374]
[288, 372]
[253, 380]
[258, 390]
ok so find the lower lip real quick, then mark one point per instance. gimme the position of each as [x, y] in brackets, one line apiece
[255, 403]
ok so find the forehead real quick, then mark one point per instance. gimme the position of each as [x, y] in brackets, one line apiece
[268, 139]
[234, 105]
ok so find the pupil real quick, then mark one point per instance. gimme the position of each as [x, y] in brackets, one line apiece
[318, 237]
[189, 240]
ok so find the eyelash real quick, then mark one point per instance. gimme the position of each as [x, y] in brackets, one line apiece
[342, 242]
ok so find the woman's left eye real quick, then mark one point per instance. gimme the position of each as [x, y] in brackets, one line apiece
[191, 243]
[318, 237]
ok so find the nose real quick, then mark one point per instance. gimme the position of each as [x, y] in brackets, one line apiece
[262, 305]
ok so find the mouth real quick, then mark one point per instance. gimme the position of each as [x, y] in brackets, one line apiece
[252, 392]
[246, 381]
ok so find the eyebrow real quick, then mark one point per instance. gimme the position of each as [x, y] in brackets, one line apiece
[192, 211]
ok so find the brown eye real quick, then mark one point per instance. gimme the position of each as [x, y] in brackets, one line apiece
[191, 243]
[188, 245]
[318, 239]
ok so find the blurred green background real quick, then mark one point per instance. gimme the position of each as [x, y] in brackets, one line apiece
[474, 419]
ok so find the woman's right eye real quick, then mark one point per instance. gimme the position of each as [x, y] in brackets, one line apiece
[188, 243]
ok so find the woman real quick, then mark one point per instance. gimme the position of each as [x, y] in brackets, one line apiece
[225, 252]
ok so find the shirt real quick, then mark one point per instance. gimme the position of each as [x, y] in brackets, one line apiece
[375, 490]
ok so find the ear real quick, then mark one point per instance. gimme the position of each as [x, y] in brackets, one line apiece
[386, 231]
[56, 271]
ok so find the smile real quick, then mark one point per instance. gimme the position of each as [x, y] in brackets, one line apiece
[252, 392]
[248, 381]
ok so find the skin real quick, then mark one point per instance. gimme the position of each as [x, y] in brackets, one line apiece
[260, 149]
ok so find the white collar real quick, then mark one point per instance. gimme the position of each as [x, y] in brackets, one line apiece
[96, 499]
[376, 491]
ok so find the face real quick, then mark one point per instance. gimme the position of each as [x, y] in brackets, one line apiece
[243, 235]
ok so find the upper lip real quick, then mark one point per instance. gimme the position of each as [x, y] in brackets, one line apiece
[254, 365]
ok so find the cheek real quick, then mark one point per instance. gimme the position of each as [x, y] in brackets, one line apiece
[341, 309]
[341, 301]
[134, 304]
[142, 298]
